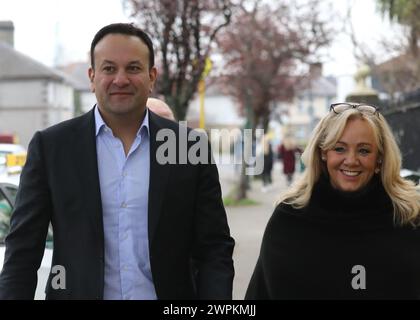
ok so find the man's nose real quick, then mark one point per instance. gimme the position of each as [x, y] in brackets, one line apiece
[121, 79]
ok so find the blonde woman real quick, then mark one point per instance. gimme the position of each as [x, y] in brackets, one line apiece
[347, 229]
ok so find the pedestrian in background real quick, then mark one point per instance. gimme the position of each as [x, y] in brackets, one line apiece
[161, 108]
[287, 153]
[268, 165]
[349, 227]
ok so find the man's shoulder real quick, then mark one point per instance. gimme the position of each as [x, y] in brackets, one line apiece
[70, 125]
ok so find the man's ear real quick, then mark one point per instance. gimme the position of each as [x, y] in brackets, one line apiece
[152, 76]
[91, 74]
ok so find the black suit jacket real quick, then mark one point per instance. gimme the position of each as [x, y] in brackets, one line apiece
[190, 245]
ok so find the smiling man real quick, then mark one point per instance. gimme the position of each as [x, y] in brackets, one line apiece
[125, 226]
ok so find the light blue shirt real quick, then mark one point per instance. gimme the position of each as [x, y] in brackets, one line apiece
[124, 182]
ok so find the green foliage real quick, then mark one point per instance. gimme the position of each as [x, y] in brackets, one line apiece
[230, 201]
[407, 13]
[404, 11]
[399, 9]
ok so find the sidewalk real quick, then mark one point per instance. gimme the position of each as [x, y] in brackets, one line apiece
[247, 224]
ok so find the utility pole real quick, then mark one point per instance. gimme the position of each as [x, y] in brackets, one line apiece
[202, 92]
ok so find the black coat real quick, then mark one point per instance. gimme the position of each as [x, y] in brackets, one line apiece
[190, 245]
[316, 252]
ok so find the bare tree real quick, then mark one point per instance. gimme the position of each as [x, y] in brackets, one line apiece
[184, 31]
[261, 49]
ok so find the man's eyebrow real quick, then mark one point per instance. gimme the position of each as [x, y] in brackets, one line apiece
[107, 62]
[135, 62]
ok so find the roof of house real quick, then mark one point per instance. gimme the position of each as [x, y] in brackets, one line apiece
[16, 66]
[400, 62]
[319, 86]
[78, 71]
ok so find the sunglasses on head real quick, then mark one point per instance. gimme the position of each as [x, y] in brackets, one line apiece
[364, 108]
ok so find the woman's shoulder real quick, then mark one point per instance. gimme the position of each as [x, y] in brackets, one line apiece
[285, 211]
[287, 208]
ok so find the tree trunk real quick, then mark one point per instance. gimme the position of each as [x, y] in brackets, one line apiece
[243, 182]
[244, 179]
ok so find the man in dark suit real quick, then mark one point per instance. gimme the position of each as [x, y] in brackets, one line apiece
[126, 224]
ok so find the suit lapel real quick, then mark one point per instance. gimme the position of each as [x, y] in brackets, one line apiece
[158, 178]
[85, 151]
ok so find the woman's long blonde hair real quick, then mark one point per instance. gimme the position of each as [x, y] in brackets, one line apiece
[405, 198]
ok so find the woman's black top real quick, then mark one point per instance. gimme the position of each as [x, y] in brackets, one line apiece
[341, 246]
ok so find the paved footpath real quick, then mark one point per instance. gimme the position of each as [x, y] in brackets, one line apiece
[247, 224]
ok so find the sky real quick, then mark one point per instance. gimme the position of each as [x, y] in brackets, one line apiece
[43, 28]
[60, 31]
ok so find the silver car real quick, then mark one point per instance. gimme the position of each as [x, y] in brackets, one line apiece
[8, 191]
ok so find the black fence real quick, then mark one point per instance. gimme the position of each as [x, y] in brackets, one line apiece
[404, 119]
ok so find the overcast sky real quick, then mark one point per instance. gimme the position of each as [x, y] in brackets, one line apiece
[52, 31]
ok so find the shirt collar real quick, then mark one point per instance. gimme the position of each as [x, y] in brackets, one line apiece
[99, 123]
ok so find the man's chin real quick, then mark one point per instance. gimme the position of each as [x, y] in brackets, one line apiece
[122, 109]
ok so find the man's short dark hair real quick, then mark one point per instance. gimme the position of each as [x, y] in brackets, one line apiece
[126, 29]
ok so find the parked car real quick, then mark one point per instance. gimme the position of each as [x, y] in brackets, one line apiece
[411, 175]
[12, 158]
[8, 191]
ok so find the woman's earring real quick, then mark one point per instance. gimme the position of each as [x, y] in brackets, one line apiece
[324, 158]
[378, 168]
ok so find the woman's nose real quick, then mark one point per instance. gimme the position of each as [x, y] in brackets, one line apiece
[351, 158]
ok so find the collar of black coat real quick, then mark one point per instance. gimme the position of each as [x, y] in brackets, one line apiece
[367, 209]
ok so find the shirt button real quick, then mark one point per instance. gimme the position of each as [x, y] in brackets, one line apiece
[123, 205]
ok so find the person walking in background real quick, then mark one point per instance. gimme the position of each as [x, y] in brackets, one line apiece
[349, 227]
[126, 225]
[161, 108]
[268, 165]
[287, 153]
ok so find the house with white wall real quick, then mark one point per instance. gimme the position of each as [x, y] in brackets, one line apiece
[32, 95]
[313, 97]
[220, 112]
[84, 98]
